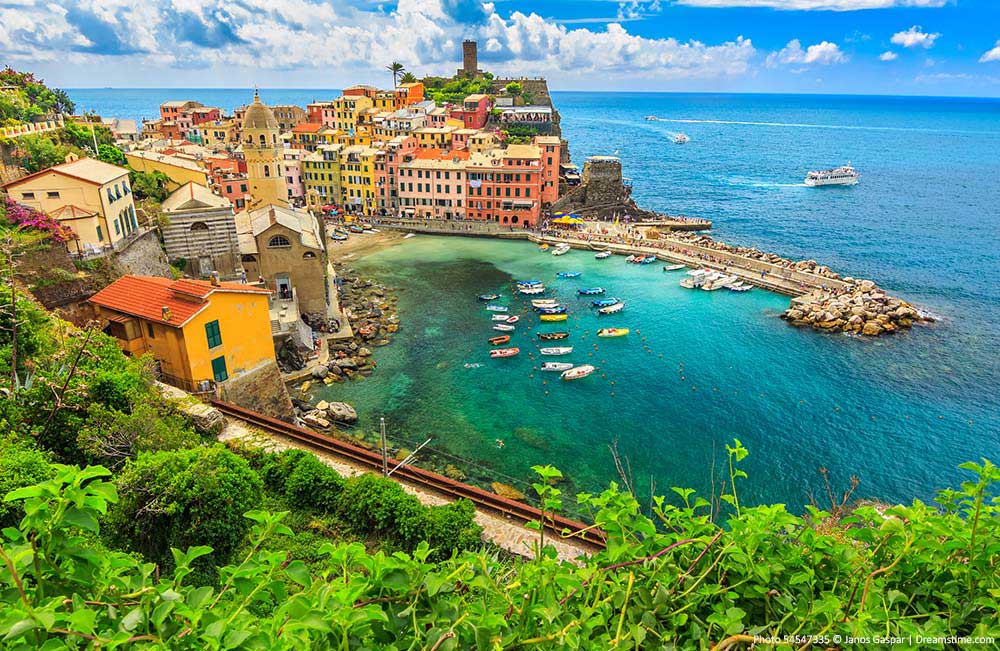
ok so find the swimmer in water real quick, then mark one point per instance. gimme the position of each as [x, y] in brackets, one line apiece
[499, 443]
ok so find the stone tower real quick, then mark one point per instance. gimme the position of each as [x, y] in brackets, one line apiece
[470, 59]
[262, 151]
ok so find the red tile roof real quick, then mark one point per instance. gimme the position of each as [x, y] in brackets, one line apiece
[307, 127]
[146, 296]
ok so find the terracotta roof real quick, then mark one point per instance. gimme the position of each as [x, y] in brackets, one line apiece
[307, 127]
[89, 170]
[146, 297]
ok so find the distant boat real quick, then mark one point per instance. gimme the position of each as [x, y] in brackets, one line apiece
[502, 339]
[611, 309]
[532, 290]
[488, 297]
[513, 319]
[562, 249]
[553, 309]
[557, 366]
[590, 291]
[553, 317]
[577, 372]
[550, 336]
[674, 267]
[503, 327]
[337, 237]
[527, 283]
[500, 317]
[504, 352]
[568, 274]
[558, 350]
[603, 254]
[496, 308]
[649, 259]
[680, 139]
[651, 118]
[612, 332]
[544, 302]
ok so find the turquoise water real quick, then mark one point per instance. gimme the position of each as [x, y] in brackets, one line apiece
[900, 412]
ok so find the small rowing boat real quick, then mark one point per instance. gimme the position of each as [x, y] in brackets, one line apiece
[357, 229]
[577, 372]
[502, 339]
[611, 309]
[555, 309]
[557, 366]
[544, 302]
[558, 350]
[503, 327]
[513, 319]
[504, 352]
[553, 317]
[674, 267]
[336, 237]
[550, 336]
[562, 249]
[604, 302]
[590, 291]
[488, 297]
[544, 247]
[500, 317]
[612, 332]
[532, 290]
[527, 283]
[649, 259]
[603, 254]
[568, 274]
[496, 308]
[631, 258]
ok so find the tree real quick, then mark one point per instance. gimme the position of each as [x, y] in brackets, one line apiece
[151, 185]
[39, 151]
[408, 78]
[21, 464]
[182, 498]
[83, 135]
[396, 68]
[111, 154]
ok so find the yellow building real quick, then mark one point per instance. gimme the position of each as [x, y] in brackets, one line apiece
[197, 332]
[91, 197]
[263, 153]
[321, 172]
[346, 110]
[357, 178]
[434, 137]
[180, 170]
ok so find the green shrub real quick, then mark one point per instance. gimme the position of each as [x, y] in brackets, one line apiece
[373, 504]
[313, 485]
[21, 464]
[183, 498]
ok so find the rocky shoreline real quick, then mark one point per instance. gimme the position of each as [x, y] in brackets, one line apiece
[861, 308]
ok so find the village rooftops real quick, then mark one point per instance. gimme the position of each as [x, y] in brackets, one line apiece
[547, 140]
[522, 151]
[161, 300]
[184, 161]
[89, 170]
[259, 220]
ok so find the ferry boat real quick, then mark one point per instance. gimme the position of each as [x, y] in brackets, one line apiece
[602, 254]
[504, 352]
[558, 350]
[611, 309]
[577, 372]
[612, 332]
[551, 336]
[680, 139]
[845, 175]
[552, 317]
[562, 249]
[557, 366]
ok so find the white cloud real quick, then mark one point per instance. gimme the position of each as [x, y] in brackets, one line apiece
[810, 5]
[824, 53]
[888, 56]
[914, 37]
[991, 55]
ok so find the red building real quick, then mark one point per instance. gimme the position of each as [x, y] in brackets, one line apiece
[505, 186]
[550, 148]
[236, 188]
[474, 112]
[321, 113]
[203, 114]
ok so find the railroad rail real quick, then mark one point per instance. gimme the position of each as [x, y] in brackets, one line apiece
[439, 483]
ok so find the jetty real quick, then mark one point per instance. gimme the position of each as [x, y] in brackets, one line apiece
[821, 298]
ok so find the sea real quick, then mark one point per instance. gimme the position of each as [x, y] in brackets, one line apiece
[700, 369]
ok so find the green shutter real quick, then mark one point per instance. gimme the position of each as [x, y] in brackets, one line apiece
[213, 334]
[219, 369]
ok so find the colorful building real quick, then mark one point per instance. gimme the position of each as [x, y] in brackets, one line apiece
[293, 172]
[474, 112]
[398, 150]
[91, 197]
[408, 94]
[179, 169]
[321, 172]
[201, 230]
[504, 186]
[200, 334]
[346, 109]
[432, 184]
[357, 176]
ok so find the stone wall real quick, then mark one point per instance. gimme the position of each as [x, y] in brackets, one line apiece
[144, 257]
[602, 193]
[261, 389]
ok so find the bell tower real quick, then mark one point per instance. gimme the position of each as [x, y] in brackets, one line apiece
[262, 151]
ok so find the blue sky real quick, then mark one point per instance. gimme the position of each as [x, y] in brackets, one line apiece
[923, 47]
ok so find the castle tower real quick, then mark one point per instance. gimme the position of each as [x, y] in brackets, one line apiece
[262, 151]
[470, 59]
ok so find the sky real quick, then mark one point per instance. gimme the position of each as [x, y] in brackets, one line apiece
[896, 47]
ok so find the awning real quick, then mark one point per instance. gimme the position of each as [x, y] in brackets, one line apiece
[568, 219]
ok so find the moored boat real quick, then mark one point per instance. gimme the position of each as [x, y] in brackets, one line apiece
[532, 290]
[337, 237]
[590, 291]
[602, 254]
[577, 372]
[553, 317]
[357, 229]
[527, 283]
[741, 288]
[649, 259]
[611, 309]
[496, 308]
[513, 319]
[488, 297]
[552, 309]
[557, 350]
[604, 302]
[544, 247]
[562, 249]
[696, 278]
[544, 302]
[500, 317]
[503, 327]
[719, 282]
[557, 366]
[502, 339]
[612, 332]
[551, 336]
[568, 274]
[674, 267]
[504, 352]
[631, 258]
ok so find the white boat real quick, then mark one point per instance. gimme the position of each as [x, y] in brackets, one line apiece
[557, 366]
[612, 309]
[577, 372]
[503, 327]
[558, 350]
[680, 139]
[674, 267]
[631, 258]
[696, 278]
[845, 175]
[603, 254]
[513, 319]
[544, 302]
[562, 249]
[720, 281]
[742, 288]
[651, 118]
[409, 235]
[496, 308]
[500, 317]
[531, 291]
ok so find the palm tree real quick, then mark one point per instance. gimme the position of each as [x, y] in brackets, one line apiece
[396, 68]
[408, 78]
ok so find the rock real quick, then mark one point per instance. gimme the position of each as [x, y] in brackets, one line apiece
[364, 352]
[335, 370]
[305, 386]
[872, 329]
[341, 412]
[905, 323]
[320, 372]
[313, 420]
[322, 405]
[454, 472]
[503, 490]
[856, 320]
[347, 363]
[793, 314]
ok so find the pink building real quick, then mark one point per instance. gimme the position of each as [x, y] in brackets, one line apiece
[505, 186]
[397, 151]
[321, 113]
[474, 112]
[293, 172]
[432, 185]
[551, 149]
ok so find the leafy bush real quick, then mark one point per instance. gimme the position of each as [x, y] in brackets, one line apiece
[182, 498]
[21, 216]
[314, 485]
[149, 185]
[21, 464]
[111, 437]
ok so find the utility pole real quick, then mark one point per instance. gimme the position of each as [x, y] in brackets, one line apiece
[385, 453]
[409, 459]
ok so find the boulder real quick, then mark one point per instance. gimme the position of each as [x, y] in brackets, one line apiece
[334, 370]
[305, 386]
[872, 329]
[341, 412]
[322, 405]
[348, 363]
[314, 419]
[855, 320]
[320, 372]
[364, 352]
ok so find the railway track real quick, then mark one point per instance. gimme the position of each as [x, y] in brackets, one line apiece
[483, 499]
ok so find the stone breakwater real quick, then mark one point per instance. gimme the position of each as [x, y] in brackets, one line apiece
[861, 308]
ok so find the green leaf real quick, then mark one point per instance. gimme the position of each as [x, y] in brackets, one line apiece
[133, 619]
[19, 627]
[81, 518]
[298, 572]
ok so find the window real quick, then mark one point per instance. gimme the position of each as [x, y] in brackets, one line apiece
[219, 369]
[243, 187]
[213, 334]
[308, 255]
[149, 330]
[278, 241]
[199, 226]
[52, 195]
[267, 170]
[118, 229]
